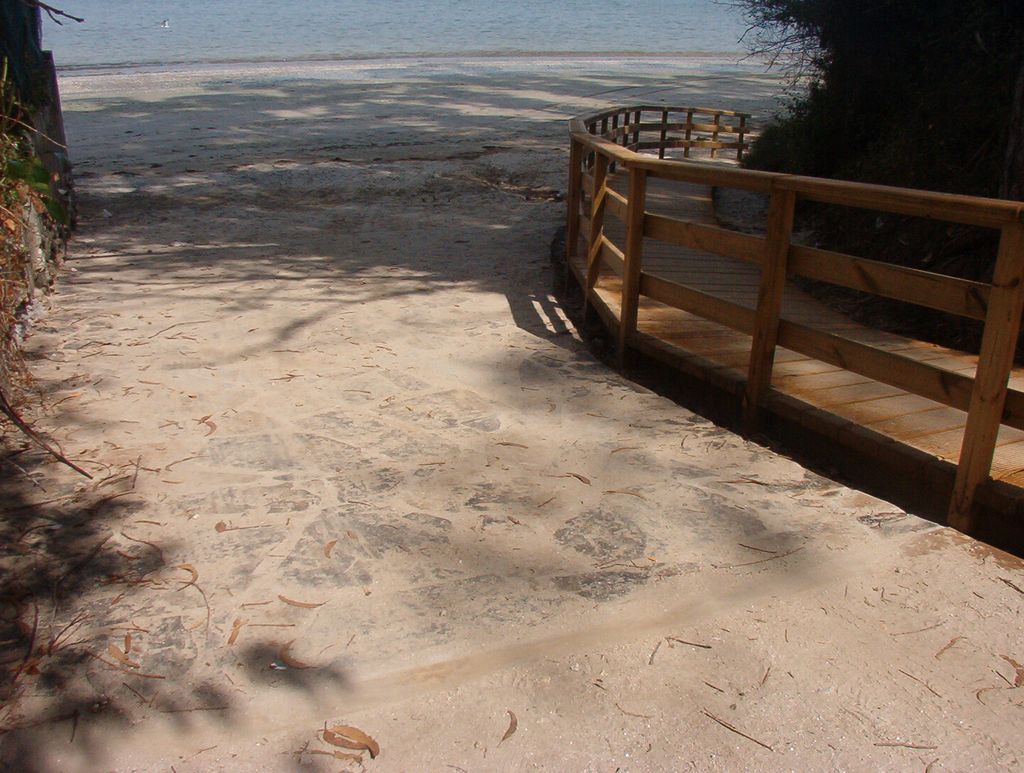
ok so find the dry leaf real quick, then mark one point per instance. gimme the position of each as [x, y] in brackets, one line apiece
[624, 491]
[1018, 670]
[950, 644]
[191, 570]
[329, 547]
[513, 724]
[513, 445]
[349, 737]
[284, 655]
[577, 476]
[235, 628]
[121, 657]
[303, 604]
[221, 527]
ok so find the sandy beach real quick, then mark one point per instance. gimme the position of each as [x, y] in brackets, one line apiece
[354, 465]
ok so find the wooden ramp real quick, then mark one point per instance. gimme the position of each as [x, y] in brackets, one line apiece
[908, 433]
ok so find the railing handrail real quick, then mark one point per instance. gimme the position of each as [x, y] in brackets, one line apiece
[951, 207]
[998, 303]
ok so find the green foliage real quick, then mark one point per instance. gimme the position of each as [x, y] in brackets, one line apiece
[18, 163]
[909, 92]
[912, 93]
[34, 175]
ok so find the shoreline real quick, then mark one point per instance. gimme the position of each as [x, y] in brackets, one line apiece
[727, 61]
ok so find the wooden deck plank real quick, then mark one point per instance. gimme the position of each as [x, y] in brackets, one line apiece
[721, 355]
[909, 426]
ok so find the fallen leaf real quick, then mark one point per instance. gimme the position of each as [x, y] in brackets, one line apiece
[1018, 670]
[303, 604]
[284, 655]
[236, 627]
[125, 670]
[121, 657]
[348, 737]
[513, 724]
[191, 570]
[329, 547]
[979, 693]
[179, 461]
[221, 527]
[624, 491]
[950, 644]
[577, 476]
[513, 445]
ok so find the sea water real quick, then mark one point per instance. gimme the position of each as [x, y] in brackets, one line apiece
[170, 32]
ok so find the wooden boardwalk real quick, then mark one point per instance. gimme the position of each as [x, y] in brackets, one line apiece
[907, 431]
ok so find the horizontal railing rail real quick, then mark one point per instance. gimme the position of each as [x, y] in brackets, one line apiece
[612, 141]
[688, 128]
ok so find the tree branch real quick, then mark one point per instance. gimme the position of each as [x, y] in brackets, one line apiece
[52, 12]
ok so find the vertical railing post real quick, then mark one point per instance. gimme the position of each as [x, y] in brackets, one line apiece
[714, 135]
[572, 203]
[998, 346]
[664, 134]
[742, 134]
[596, 240]
[637, 115]
[689, 132]
[633, 260]
[769, 304]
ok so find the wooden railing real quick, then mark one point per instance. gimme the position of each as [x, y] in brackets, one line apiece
[606, 140]
[689, 128]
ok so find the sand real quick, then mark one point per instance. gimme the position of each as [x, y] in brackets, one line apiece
[353, 465]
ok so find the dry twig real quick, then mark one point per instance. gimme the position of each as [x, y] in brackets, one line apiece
[8, 410]
[733, 729]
